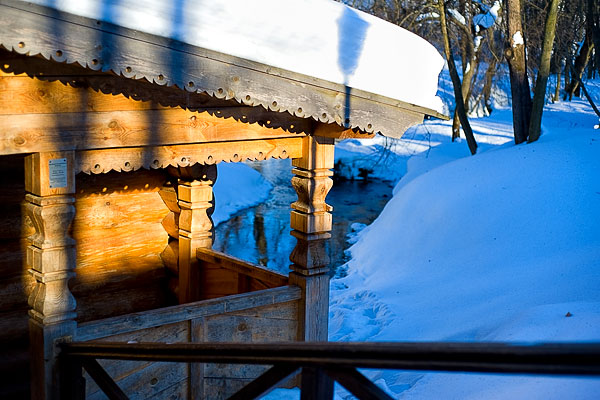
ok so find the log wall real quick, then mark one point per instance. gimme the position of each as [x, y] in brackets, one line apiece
[119, 239]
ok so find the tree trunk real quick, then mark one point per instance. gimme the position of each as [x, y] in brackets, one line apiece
[593, 18]
[567, 74]
[580, 63]
[466, 92]
[543, 72]
[487, 85]
[517, 66]
[456, 84]
[557, 90]
[468, 58]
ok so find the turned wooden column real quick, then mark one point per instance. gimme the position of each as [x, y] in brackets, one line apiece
[311, 223]
[189, 224]
[49, 203]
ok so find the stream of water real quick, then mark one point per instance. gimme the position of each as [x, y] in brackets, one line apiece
[261, 234]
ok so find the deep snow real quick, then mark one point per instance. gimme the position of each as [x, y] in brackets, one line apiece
[495, 247]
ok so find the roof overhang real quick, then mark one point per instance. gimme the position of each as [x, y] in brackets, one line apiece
[65, 38]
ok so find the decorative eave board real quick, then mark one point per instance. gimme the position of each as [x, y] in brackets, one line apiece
[65, 38]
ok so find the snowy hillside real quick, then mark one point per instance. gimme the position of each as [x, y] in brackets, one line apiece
[503, 246]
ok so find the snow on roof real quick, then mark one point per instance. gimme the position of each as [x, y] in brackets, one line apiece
[319, 38]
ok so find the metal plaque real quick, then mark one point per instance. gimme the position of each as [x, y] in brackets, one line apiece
[57, 173]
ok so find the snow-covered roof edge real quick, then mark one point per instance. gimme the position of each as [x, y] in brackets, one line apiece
[62, 37]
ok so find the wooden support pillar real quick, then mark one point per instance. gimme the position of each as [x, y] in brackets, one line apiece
[190, 219]
[311, 223]
[50, 181]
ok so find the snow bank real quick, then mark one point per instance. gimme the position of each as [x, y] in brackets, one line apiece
[320, 38]
[502, 246]
[238, 186]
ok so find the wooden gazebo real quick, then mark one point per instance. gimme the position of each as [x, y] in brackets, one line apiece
[109, 145]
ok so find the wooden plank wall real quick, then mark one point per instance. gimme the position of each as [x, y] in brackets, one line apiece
[263, 316]
[119, 238]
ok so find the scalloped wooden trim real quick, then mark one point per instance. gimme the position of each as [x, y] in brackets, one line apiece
[134, 158]
[26, 30]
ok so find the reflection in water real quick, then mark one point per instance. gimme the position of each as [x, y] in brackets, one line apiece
[261, 234]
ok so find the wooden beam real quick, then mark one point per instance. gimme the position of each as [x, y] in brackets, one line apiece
[133, 158]
[30, 133]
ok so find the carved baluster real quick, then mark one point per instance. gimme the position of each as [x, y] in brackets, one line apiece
[196, 230]
[311, 222]
[49, 179]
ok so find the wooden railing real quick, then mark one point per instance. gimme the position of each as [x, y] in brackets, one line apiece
[102, 328]
[224, 275]
[337, 361]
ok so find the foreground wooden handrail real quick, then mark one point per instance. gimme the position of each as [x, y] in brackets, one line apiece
[321, 363]
[551, 358]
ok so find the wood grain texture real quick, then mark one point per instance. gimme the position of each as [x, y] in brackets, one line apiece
[119, 240]
[314, 307]
[25, 133]
[167, 315]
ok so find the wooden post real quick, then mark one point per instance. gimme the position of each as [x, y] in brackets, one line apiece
[170, 255]
[311, 223]
[196, 204]
[50, 181]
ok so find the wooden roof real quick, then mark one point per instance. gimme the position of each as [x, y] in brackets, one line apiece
[99, 46]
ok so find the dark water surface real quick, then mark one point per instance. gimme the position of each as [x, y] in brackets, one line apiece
[261, 234]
